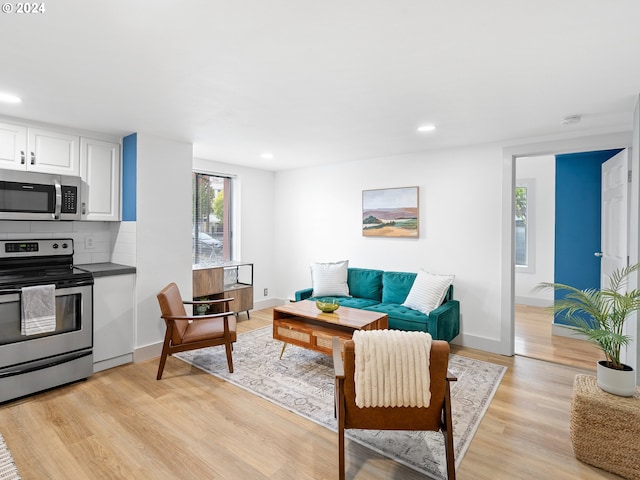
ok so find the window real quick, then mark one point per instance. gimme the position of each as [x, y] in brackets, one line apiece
[211, 219]
[524, 237]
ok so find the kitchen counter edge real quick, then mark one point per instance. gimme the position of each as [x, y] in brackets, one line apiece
[107, 269]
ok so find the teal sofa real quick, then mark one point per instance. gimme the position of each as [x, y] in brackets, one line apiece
[384, 292]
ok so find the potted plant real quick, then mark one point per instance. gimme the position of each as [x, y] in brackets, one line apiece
[600, 315]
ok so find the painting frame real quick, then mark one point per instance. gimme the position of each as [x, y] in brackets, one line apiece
[391, 212]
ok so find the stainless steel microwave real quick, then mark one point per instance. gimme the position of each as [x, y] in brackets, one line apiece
[39, 196]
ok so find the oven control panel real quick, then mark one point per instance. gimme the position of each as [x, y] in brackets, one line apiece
[21, 247]
[36, 248]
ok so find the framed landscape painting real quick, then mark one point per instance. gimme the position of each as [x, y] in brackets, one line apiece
[390, 212]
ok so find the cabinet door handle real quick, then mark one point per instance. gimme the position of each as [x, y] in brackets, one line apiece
[22, 157]
[33, 158]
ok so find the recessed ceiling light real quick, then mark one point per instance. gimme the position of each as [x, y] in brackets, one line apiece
[9, 98]
[426, 128]
[267, 156]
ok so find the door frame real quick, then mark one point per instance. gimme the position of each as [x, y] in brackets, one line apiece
[550, 147]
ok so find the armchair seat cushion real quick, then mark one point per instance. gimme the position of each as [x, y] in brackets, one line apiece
[199, 330]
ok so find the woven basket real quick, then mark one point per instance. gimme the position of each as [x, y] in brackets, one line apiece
[605, 428]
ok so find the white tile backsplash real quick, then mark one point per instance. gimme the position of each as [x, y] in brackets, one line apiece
[52, 228]
[104, 237]
[9, 229]
[124, 248]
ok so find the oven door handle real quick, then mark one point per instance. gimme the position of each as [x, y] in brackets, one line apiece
[8, 296]
[43, 364]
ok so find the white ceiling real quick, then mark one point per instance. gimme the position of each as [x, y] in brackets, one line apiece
[315, 81]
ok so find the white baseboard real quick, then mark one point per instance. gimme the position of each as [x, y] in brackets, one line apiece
[112, 362]
[147, 352]
[533, 302]
[268, 303]
[479, 343]
[566, 331]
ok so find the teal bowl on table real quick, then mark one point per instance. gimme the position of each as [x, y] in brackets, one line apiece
[327, 305]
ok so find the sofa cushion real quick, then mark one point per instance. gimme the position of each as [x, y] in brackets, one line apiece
[351, 302]
[428, 291]
[401, 318]
[329, 279]
[365, 283]
[396, 286]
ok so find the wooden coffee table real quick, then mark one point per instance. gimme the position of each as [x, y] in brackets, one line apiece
[302, 324]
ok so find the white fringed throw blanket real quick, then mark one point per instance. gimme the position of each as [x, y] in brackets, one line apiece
[392, 368]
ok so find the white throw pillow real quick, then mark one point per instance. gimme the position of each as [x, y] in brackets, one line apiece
[428, 291]
[330, 279]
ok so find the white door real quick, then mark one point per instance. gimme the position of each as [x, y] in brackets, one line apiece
[615, 193]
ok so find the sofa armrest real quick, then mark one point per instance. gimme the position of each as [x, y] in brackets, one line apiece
[303, 294]
[444, 321]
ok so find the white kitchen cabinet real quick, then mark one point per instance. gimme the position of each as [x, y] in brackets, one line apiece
[53, 152]
[113, 320]
[100, 172]
[39, 150]
[13, 146]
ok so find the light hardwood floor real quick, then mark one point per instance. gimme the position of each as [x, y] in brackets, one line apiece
[123, 424]
[533, 339]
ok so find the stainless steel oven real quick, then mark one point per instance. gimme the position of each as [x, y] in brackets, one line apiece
[38, 361]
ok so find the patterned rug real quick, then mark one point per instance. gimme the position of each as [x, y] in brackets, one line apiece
[8, 470]
[303, 383]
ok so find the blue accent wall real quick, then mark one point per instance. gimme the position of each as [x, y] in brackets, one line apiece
[129, 159]
[578, 219]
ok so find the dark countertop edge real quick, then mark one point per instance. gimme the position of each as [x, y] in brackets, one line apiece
[107, 269]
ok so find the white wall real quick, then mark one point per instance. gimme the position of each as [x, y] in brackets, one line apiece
[320, 216]
[543, 171]
[253, 223]
[163, 229]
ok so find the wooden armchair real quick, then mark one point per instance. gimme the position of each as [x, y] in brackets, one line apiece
[190, 332]
[436, 417]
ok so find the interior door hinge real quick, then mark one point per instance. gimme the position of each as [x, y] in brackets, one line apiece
[629, 176]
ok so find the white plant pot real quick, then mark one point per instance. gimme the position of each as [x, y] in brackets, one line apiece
[618, 382]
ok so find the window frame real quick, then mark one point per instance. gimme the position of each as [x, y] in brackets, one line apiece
[530, 232]
[229, 249]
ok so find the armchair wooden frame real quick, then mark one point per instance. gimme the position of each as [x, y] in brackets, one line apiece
[436, 417]
[183, 334]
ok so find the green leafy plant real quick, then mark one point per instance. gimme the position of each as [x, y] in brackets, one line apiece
[600, 314]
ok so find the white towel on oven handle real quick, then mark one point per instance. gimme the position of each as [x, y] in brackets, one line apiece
[38, 309]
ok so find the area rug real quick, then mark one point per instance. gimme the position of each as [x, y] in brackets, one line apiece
[8, 469]
[303, 382]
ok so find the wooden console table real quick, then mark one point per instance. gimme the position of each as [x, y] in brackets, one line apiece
[302, 324]
[229, 280]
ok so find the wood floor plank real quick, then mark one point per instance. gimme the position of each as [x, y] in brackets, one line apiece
[533, 338]
[123, 424]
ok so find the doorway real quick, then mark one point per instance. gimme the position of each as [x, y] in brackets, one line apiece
[557, 232]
